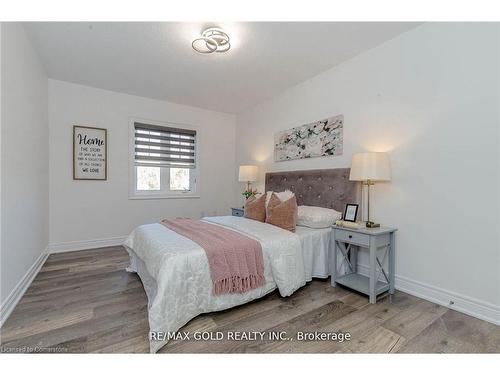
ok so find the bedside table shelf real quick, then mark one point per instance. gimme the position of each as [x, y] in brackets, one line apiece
[361, 283]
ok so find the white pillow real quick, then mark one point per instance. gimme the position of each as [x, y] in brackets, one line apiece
[282, 195]
[317, 217]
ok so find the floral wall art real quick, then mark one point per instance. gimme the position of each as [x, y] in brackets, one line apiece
[321, 138]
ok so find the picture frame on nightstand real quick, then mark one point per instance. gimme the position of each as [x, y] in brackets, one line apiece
[351, 212]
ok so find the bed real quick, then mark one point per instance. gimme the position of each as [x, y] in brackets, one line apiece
[175, 272]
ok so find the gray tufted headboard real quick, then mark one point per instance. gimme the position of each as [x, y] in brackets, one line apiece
[328, 188]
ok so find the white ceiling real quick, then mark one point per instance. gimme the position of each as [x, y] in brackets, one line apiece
[156, 59]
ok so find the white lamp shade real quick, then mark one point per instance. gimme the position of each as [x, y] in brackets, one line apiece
[374, 166]
[248, 173]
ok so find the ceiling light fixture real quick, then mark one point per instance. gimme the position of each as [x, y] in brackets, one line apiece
[212, 40]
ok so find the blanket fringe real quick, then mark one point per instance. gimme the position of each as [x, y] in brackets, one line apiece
[236, 284]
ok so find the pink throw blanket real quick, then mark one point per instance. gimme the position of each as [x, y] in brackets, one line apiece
[235, 260]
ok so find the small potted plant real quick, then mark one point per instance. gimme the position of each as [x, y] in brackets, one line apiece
[249, 192]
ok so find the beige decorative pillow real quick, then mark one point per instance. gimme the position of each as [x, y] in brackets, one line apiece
[282, 214]
[255, 208]
[282, 195]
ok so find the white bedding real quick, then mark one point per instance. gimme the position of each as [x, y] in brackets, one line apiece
[315, 251]
[181, 276]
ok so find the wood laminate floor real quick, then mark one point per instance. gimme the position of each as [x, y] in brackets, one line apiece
[85, 301]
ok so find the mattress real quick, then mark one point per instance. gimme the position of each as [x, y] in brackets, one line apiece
[315, 249]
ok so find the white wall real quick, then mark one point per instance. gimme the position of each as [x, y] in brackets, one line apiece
[430, 98]
[1, 283]
[24, 157]
[95, 210]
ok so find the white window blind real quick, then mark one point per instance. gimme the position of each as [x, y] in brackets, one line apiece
[162, 146]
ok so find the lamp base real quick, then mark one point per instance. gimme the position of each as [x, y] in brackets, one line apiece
[371, 224]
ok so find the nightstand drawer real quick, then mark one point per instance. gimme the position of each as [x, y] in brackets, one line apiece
[237, 212]
[352, 237]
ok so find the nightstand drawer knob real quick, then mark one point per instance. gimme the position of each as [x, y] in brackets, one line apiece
[350, 236]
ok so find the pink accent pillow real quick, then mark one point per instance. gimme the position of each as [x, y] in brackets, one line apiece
[282, 214]
[255, 208]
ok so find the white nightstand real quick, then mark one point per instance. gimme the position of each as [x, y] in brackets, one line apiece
[348, 242]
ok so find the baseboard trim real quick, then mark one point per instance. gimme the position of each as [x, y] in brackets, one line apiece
[21, 287]
[455, 301]
[62, 247]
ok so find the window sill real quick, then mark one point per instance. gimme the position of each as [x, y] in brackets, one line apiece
[163, 196]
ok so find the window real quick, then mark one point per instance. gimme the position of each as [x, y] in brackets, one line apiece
[163, 159]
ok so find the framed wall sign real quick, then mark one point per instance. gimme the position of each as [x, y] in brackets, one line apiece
[90, 150]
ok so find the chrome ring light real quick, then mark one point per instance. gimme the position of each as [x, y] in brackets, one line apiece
[212, 40]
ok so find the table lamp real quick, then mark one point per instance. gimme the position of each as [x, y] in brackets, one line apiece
[248, 173]
[370, 167]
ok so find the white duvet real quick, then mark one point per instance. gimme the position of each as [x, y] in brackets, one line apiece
[181, 286]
